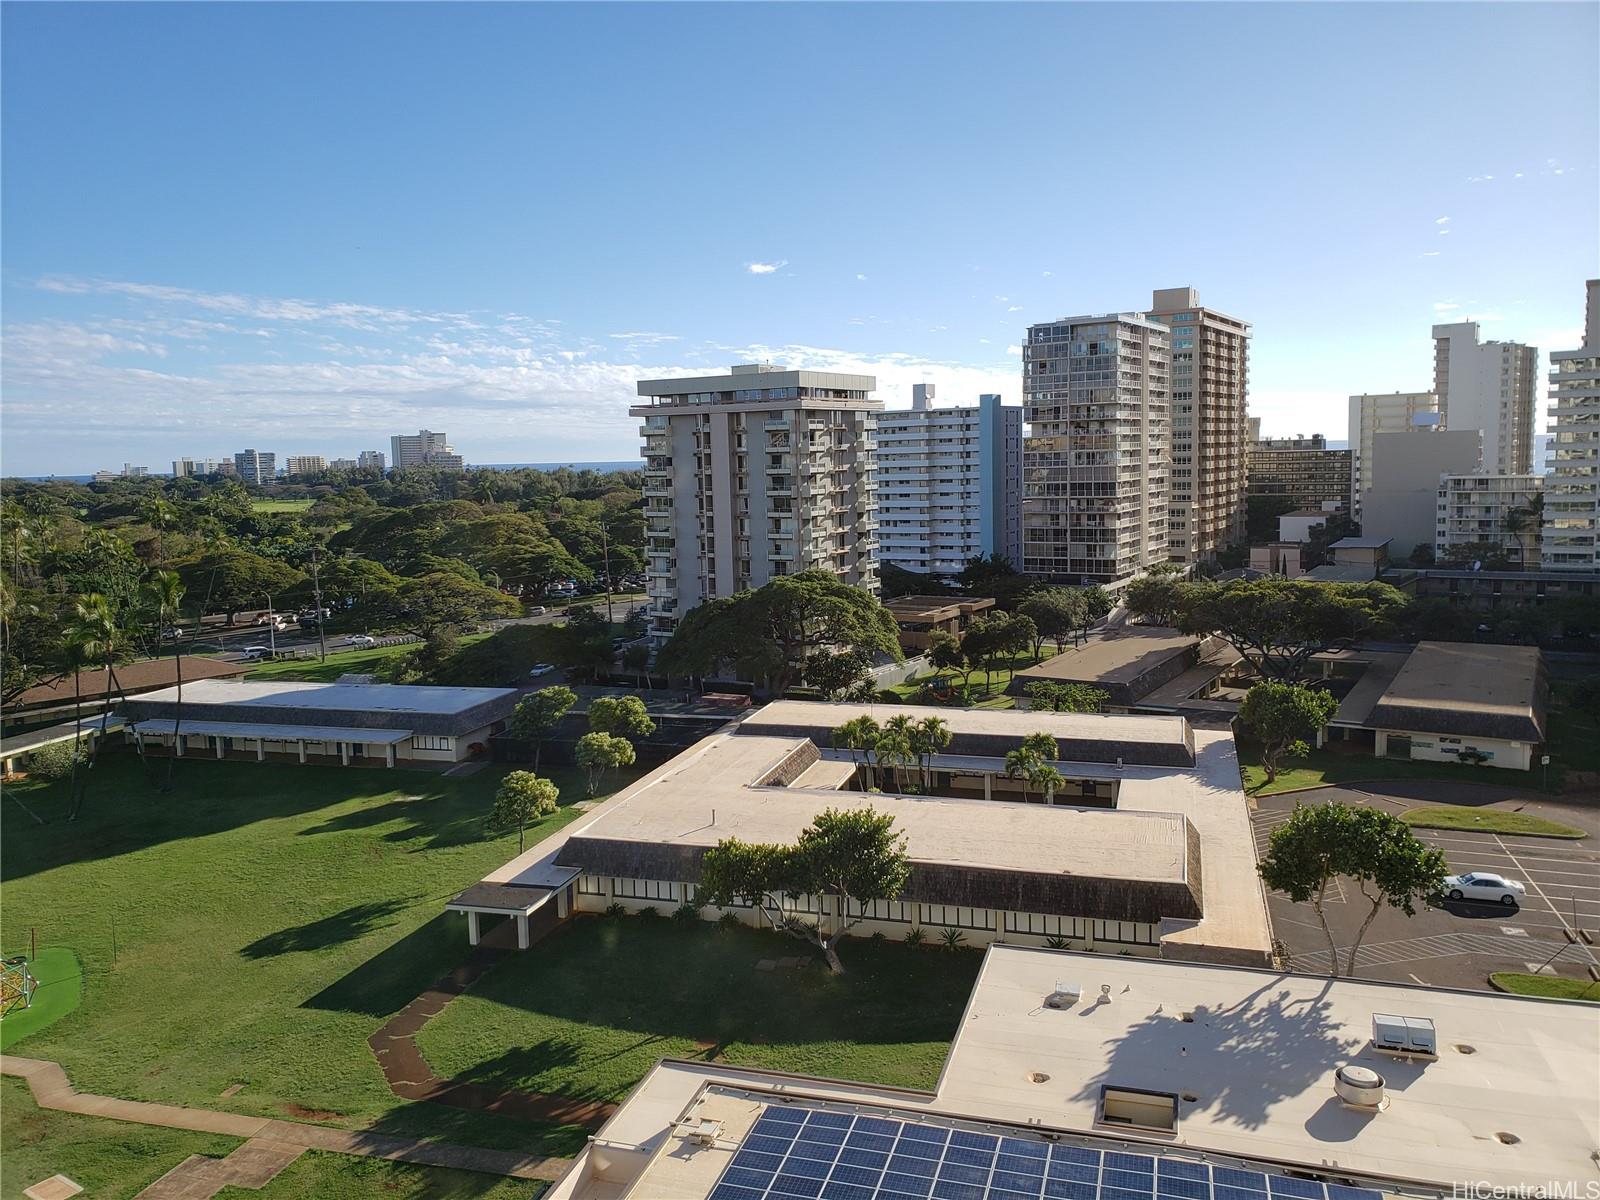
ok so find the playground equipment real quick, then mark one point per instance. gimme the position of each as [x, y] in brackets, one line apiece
[17, 984]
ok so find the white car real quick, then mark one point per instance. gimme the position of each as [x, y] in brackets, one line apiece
[538, 610]
[363, 640]
[540, 669]
[1482, 885]
[257, 653]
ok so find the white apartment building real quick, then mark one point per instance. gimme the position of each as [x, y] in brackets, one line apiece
[1095, 466]
[370, 460]
[425, 448]
[256, 466]
[1571, 534]
[1383, 412]
[949, 483]
[184, 467]
[758, 473]
[305, 464]
[1210, 429]
[1497, 510]
[1487, 386]
[342, 464]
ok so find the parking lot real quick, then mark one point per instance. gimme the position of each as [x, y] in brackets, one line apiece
[1451, 943]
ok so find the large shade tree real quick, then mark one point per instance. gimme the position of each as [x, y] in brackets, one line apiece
[537, 715]
[1278, 624]
[773, 630]
[1285, 717]
[850, 856]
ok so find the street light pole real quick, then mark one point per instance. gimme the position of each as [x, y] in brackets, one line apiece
[272, 626]
[605, 549]
[322, 633]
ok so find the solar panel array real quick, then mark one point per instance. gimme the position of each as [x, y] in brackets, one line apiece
[795, 1153]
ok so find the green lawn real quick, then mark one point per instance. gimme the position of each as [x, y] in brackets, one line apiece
[1574, 735]
[987, 684]
[280, 506]
[59, 990]
[255, 926]
[1327, 767]
[110, 1159]
[1486, 820]
[113, 1160]
[1553, 986]
[590, 1013]
[313, 670]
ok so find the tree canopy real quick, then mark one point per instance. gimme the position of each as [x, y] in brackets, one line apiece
[851, 856]
[1284, 717]
[521, 799]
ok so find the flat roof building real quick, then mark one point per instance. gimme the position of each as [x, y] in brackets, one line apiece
[920, 617]
[1088, 1078]
[1145, 847]
[343, 721]
[1127, 664]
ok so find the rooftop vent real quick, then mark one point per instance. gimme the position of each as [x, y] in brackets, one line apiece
[1404, 1035]
[1065, 995]
[1360, 1088]
[703, 1130]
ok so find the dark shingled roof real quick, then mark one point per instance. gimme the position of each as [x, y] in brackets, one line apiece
[503, 896]
[1466, 690]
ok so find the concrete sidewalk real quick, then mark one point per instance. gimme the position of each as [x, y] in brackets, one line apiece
[52, 1089]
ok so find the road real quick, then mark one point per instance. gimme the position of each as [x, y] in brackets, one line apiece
[1453, 943]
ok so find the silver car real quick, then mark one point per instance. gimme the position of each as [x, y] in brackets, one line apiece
[1482, 885]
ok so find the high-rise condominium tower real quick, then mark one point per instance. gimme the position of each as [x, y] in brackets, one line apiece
[305, 464]
[949, 483]
[370, 460]
[1210, 434]
[1488, 387]
[1571, 533]
[256, 466]
[424, 449]
[1384, 412]
[751, 475]
[1094, 468]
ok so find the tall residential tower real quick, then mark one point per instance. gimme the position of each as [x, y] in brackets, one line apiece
[949, 483]
[1571, 533]
[1487, 386]
[1095, 466]
[751, 475]
[1210, 436]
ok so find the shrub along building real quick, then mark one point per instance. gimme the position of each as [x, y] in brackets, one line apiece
[1144, 848]
[344, 722]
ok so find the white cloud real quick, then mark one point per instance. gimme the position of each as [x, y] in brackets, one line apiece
[860, 278]
[1444, 306]
[761, 268]
[1429, 254]
[983, 341]
[1013, 349]
[1047, 274]
[1015, 308]
[1441, 220]
[645, 338]
[1444, 233]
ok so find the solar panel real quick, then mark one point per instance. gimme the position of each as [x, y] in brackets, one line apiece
[796, 1153]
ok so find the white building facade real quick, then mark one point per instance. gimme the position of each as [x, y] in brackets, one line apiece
[1487, 386]
[1210, 426]
[949, 483]
[1384, 412]
[755, 474]
[305, 464]
[1498, 510]
[371, 460]
[1571, 534]
[1096, 463]
[425, 448]
[256, 466]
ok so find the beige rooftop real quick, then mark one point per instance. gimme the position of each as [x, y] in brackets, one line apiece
[1513, 1098]
[1464, 688]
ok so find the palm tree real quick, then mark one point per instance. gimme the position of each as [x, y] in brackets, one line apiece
[161, 515]
[859, 735]
[929, 736]
[893, 749]
[166, 594]
[1523, 520]
[98, 632]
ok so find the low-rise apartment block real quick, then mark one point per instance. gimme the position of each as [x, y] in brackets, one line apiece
[755, 474]
[305, 464]
[1500, 511]
[949, 484]
[1301, 472]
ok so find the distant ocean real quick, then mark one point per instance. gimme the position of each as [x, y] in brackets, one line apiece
[634, 464]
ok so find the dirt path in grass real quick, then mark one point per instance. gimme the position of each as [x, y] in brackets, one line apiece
[410, 1076]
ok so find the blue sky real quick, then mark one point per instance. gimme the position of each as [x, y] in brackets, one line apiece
[306, 227]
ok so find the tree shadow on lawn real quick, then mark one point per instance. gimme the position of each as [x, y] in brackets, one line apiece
[397, 975]
[124, 810]
[343, 926]
[699, 982]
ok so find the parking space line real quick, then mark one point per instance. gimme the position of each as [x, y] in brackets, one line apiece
[1534, 883]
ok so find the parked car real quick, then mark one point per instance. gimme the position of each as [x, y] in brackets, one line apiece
[171, 634]
[309, 620]
[1482, 885]
[364, 641]
[538, 610]
[257, 653]
[539, 669]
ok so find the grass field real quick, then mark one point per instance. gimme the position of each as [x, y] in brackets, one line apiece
[280, 506]
[255, 926]
[338, 662]
[1486, 820]
[113, 1160]
[1574, 735]
[1551, 986]
[987, 684]
[603, 1000]
[1324, 767]
[60, 988]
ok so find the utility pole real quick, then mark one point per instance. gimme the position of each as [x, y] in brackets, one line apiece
[605, 549]
[316, 584]
[272, 626]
